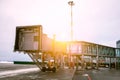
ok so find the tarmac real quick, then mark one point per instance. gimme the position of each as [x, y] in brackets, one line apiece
[10, 71]
[100, 74]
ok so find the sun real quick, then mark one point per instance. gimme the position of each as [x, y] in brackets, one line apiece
[62, 37]
[59, 37]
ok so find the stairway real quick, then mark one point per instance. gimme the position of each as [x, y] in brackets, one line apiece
[36, 57]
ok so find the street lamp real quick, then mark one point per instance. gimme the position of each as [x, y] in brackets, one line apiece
[71, 4]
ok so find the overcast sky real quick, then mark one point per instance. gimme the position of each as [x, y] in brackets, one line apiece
[96, 21]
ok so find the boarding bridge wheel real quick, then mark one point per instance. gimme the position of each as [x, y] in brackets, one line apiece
[53, 69]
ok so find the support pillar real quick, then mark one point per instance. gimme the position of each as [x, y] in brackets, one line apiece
[115, 63]
[82, 61]
[110, 63]
[77, 62]
[97, 62]
[91, 62]
[97, 58]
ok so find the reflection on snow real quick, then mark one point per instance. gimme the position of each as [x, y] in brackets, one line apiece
[6, 62]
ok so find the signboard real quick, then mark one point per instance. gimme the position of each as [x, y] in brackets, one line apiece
[28, 38]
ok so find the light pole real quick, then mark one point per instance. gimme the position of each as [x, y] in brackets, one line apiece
[71, 35]
[71, 4]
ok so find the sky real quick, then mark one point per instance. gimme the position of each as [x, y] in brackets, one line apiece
[96, 21]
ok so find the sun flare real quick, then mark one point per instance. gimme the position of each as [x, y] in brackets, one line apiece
[59, 37]
[62, 37]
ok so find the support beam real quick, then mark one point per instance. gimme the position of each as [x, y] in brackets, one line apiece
[110, 63]
[77, 62]
[97, 58]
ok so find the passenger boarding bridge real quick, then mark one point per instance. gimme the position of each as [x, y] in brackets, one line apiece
[32, 41]
[94, 51]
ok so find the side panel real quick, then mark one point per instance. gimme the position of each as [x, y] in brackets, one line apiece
[46, 43]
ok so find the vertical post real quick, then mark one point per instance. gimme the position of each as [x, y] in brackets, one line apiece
[54, 37]
[97, 62]
[77, 63]
[115, 63]
[62, 61]
[71, 4]
[82, 57]
[71, 23]
[91, 63]
[110, 63]
[43, 59]
[82, 61]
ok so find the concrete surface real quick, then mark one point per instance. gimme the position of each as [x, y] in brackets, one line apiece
[31, 72]
[101, 74]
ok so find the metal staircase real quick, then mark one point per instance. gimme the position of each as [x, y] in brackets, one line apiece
[36, 57]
